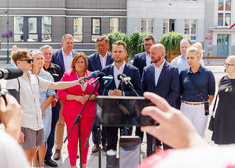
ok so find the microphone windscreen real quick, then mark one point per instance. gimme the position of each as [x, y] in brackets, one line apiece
[14, 73]
[108, 78]
[95, 73]
[101, 74]
[121, 75]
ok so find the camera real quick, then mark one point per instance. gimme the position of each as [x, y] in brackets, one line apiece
[206, 108]
[13, 92]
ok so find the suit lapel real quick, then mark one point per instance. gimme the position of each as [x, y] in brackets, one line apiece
[144, 59]
[97, 59]
[108, 61]
[62, 60]
[152, 74]
[164, 70]
[110, 72]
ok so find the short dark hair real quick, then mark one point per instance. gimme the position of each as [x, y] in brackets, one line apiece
[120, 42]
[149, 37]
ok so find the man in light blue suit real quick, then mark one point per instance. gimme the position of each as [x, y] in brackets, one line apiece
[63, 57]
[98, 61]
[161, 78]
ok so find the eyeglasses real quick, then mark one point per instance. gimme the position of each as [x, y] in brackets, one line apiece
[227, 65]
[28, 60]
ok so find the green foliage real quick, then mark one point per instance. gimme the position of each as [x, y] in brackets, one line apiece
[171, 41]
[135, 43]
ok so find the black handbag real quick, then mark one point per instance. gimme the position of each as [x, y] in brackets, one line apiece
[211, 123]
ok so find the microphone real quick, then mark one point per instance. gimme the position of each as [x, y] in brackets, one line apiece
[107, 80]
[125, 79]
[9, 73]
[99, 77]
[93, 75]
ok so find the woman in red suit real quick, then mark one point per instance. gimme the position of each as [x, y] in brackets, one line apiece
[74, 99]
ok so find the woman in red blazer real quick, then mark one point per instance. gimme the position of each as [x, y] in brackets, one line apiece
[74, 99]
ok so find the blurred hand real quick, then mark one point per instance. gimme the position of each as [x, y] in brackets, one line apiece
[11, 115]
[21, 138]
[115, 92]
[174, 128]
[53, 103]
[43, 114]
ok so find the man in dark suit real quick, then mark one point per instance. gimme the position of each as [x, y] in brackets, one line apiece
[140, 61]
[63, 57]
[114, 89]
[161, 78]
[143, 59]
[98, 61]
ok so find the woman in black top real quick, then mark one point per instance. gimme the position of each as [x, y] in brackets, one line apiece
[224, 124]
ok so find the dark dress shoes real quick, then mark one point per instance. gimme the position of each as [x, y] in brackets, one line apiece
[57, 154]
[50, 162]
[95, 148]
[105, 148]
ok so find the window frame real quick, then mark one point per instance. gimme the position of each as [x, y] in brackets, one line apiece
[92, 34]
[168, 25]
[147, 21]
[38, 29]
[78, 28]
[224, 12]
[190, 33]
[110, 24]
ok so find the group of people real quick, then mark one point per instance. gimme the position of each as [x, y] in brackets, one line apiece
[53, 92]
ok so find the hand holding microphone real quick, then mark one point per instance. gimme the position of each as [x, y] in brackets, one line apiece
[93, 75]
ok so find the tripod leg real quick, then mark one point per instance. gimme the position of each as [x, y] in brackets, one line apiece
[99, 141]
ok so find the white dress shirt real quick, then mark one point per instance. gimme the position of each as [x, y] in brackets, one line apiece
[158, 71]
[67, 60]
[181, 63]
[103, 60]
[117, 71]
[148, 59]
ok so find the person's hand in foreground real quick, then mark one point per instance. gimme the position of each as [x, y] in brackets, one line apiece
[11, 116]
[175, 129]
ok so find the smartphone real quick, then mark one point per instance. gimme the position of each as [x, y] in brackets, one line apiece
[129, 151]
[122, 111]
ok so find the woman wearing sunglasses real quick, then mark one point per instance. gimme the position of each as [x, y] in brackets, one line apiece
[224, 127]
[193, 103]
[45, 98]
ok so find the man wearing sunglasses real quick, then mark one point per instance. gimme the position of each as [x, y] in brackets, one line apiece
[32, 134]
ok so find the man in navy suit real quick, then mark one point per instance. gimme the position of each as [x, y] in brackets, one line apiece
[63, 57]
[98, 61]
[114, 89]
[161, 78]
[143, 59]
[140, 61]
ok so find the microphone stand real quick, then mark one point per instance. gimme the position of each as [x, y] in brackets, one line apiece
[78, 121]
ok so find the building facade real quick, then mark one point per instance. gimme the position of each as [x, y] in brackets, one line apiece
[39, 22]
[36, 23]
[198, 19]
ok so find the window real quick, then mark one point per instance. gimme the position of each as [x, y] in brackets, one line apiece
[147, 25]
[114, 25]
[32, 29]
[224, 12]
[95, 32]
[168, 25]
[191, 0]
[77, 29]
[190, 29]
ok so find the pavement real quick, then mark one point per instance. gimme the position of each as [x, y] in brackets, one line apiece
[92, 159]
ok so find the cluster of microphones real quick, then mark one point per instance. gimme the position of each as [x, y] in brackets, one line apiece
[9, 73]
[108, 79]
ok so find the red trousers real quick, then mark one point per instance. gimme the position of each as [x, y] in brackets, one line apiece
[86, 124]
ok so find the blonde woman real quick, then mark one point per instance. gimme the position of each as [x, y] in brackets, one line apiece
[192, 104]
[45, 97]
[224, 126]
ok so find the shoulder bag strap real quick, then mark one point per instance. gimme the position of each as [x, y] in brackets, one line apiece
[199, 93]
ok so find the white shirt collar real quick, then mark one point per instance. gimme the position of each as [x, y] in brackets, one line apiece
[70, 54]
[123, 65]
